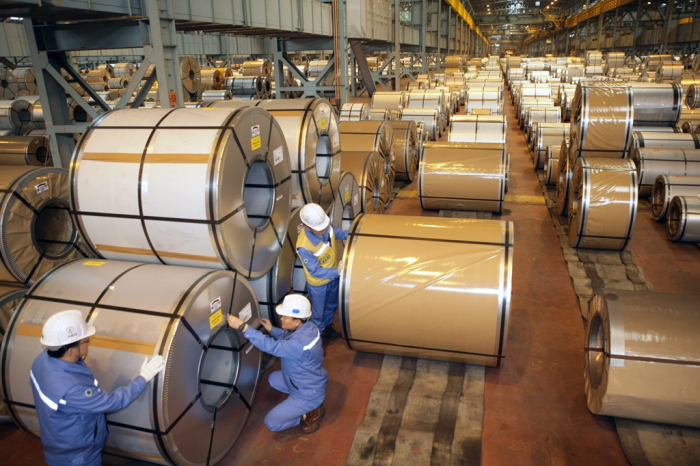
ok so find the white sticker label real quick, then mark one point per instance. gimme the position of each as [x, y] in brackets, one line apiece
[215, 305]
[250, 347]
[279, 197]
[246, 313]
[42, 187]
[278, 155]
[254, 131]
[299, 227]
[355, 199]
[336, 140]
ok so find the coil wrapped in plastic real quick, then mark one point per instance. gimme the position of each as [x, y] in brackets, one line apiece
[368, 169]
[25, 150]
[641, 356]
[453, 263]
[602, 203]
[683, 223]
[651, 163]
[547, 134]
[666, 187]
[536, 115]
[478, 128]
[429, 117]
[256, 68]
[354, 112]
[390, 100]
[406, 135]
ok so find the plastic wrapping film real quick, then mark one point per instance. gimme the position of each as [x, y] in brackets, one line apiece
[548, 134]
[602, 115]
[683, 222]
[463, 176]
[25, 150]
[396, 267]
[656, 104]
[16, 115]
[195, 409]
[354, 112]
[368, 169]
[26, 79]
[478, 128]
[197, 187]
[602, 203]
[36, 229]
[651, 163]
[190, 74]
[666, 187]
[406, 136]
[392, 100]
[551, 166]
[642, 358]
[427, 116]
[10, 297]
[310, 130]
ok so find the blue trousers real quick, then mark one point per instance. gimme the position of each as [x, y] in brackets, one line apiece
[324, 302]
[288, 413]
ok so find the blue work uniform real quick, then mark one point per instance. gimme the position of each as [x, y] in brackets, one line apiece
[302, 376]
[324, 298]
[71, 409]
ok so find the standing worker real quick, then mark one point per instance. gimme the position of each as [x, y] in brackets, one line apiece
[69, 402]
[316, 246]
[302, 376]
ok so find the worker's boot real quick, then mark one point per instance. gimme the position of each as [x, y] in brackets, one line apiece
[312, 420]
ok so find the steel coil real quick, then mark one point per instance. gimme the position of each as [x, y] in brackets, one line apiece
[651, 163]
[657, 104]
[311, 132]
[228, 213]
[190, 74]
[36, 229]
[429, 117]
[25, 150]
[213, 95]
[196, 408]
[347, 204]
[551, 166]
[654, 140]
[563, 186]
[26, 80]
[428, 98]
[256, 68]
[668, 71]
[615, 59]
[106, 67]
[421, 138]
[379, 114]
[656, 129]
[117, 83]
[641, 356]
[368, 169]
[124, 70]
[528, 103]
[463, 176]
[536, 115]
[16, 115]
[666, 187]
[602, 203]
[100, 86]
[354, 112]
[548, 134]
[77, 114]
[683, 224]
[686, 80]
[692, 99]
[406, 134]
[462, 266]
[478, 128]
[390, 100]
[10, 297]
[411, 85]
[485, 97]
[246, 86]
[97, 76]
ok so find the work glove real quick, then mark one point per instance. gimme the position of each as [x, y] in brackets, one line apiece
[149, 369]
[340, 268]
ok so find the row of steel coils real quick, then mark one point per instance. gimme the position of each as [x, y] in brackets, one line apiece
[157, 246]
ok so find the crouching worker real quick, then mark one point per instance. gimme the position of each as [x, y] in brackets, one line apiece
[317, 249]
[69, 402]
[303, 378]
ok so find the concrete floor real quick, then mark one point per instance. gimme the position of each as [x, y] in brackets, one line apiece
[535, 409]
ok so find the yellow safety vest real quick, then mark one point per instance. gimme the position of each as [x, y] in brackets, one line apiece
[327, 256]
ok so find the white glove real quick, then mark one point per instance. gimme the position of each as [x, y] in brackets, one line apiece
[340, 267]
[149, 369]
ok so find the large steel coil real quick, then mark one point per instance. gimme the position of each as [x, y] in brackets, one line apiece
[656, 104]
[228, 210]
[390, 100]
[117, 83]
[463, 176]
[551, 166]
[656, 129]
[354, 112]
[10, 297]
[347, 204]
[256, 68]
[190, 74]
[528, 103]
[195, 409]
[428, 98]
[26, 79]
[35, 227]
[9, 87]
[406, 134]
[651, 163]
[16, 115]
[214, 95]
[546, 135]
[666, 187]
[106, 67]
[213, 78]
[564, 185]
[124, 70]
[594, 57]
[692, 98]
[368, 169]
[687, 80]
[25, 150]
[460, 266]
[615, 59]
[602, 120]
[594, 71]
[77, 114]
[410, 85]
[654, 140]
[100, 86]
[379, 114]
[421, 138]
[641, 356]
[310, 129]
[97, 76]
[536, 115]
[316, 67]
[428, 116]
[478, 128]
[602, 203]
[246, 86]
[683, 223]
[454, 61]
[669, 71]
[484, 97]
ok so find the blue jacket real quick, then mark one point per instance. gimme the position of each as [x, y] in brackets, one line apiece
[71, 409]
[302, 357]
[311, 261]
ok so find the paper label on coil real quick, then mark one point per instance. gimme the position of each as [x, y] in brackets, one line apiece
[355, 199]
[94, 263]
[255, 143]
[347, 193]
[215, 319]
[299, 227]
[42, 187]
[278, 155]
[323, 123]
[336, 140]
[215, 305]
[246, 313]
[254, 131]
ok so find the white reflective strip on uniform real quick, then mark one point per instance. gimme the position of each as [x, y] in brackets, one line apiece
[62, 401]
[330, 232]
[44, 398]
[311, 345]
[95, 382]
[320, 251]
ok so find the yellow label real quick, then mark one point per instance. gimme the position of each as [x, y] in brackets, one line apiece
[215, 319]
[255, 142]
[94, 263]
[323, 123]
[347, 195]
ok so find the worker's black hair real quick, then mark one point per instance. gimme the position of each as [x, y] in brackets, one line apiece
[58, 354]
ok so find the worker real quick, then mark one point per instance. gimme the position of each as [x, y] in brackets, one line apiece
[319, 254]
[302, 376]
[69, 402]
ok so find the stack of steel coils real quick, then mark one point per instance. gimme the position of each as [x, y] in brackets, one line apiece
[547, 135]
[651, 163]
[407, 154]
[354, 112]
[666, 187]
[478, 128]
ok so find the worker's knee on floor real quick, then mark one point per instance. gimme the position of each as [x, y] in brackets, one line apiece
[275, 424]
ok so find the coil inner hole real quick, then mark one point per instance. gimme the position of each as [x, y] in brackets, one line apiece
[259, 194]
[324, 159]
[50, 233]
[219, 369]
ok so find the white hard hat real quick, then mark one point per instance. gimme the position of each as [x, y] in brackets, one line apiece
[64, 328]
[295, 305]
[314, 217]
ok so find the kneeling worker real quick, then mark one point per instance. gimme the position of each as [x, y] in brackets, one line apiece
[316, 246]
[303, 378]
[69, 402]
